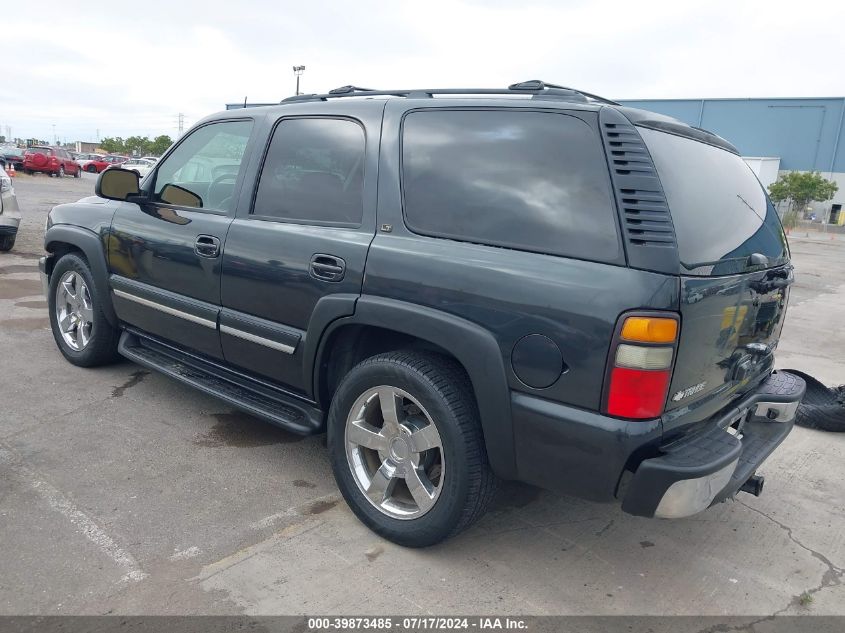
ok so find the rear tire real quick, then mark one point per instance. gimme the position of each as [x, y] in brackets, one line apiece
[92, 169]
[98, 345]
[7, 242]
[426, 389]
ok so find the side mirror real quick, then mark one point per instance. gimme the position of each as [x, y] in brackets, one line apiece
[174, 194]
[117, 184]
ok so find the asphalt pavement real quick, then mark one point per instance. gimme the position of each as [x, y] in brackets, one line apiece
[124, 492]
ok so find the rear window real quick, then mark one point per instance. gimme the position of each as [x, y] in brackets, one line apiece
[720, 211]
[40, 150]
[534, 181]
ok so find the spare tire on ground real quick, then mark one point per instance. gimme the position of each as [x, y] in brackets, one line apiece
[822, 408]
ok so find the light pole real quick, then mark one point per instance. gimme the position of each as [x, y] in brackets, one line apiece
[297, 70]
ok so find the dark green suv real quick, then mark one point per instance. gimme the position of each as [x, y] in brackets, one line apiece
[458, 286]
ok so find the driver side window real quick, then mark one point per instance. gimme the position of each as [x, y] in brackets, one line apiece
[206, 165]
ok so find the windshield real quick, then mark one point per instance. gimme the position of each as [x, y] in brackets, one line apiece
[720, 211]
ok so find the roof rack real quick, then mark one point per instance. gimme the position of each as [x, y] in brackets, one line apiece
[535, 87]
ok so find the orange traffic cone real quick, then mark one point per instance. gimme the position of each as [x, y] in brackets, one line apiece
[12, 170]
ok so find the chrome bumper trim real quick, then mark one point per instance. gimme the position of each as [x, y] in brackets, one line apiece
[166, 309]
[691, 496]
[260, 340]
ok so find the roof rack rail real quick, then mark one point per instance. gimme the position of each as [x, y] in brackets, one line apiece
[535, 87]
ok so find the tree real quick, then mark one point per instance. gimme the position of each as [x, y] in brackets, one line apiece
[137, 145]
[114, 145]
[160, 144]
[801, 188]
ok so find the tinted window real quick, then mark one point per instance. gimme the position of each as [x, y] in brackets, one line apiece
[206, 163]
[528, 180]
[720, 211]
[313, 173]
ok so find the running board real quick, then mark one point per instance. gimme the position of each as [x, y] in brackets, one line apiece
[257, 399]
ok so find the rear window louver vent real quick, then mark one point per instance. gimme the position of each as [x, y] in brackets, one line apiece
[644, 213]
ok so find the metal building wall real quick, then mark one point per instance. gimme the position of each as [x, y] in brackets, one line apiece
[807, 134]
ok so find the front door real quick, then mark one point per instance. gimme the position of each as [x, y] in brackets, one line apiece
[304, 241]
[165, 255]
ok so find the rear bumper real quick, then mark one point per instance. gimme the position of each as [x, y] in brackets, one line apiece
[44, 169]
[596, 457]
[709, 467]
[10, 213]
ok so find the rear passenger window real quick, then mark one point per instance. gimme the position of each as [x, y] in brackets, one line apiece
[313, 173]
[534, 181]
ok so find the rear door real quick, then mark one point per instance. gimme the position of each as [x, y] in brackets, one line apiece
[294, 256]
[735, 270]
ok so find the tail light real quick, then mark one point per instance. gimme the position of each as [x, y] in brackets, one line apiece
[640, 365]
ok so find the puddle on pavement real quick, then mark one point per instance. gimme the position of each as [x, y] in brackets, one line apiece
[244, 431]
[134, 379]
[319, 506]
[25, 325]
[18, 268]
[20, 288]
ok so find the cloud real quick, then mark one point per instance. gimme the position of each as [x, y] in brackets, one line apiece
[125, 69]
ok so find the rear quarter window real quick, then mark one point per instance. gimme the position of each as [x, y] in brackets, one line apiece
[720, 211]
[534, 181]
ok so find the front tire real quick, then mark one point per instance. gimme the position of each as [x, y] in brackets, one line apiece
[83, 334]
[406, 447]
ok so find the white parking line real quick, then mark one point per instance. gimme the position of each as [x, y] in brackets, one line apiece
[84, 524]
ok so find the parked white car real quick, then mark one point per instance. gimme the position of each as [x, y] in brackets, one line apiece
[85, 159]
[10, 214]
[141, 166]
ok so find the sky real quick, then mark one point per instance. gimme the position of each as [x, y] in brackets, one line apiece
[77, 70]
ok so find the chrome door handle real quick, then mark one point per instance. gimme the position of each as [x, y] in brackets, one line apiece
[327, 267]
[207, 246]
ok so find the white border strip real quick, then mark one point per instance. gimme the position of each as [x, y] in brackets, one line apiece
[83, 523]
[260, 340]
[165, 309]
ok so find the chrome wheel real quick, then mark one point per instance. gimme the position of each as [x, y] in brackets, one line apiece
[395, 452]
[74, 310]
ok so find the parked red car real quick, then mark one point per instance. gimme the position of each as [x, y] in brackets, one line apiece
[50, 160]
[96, 166]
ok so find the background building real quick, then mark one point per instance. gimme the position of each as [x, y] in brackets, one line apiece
[773, 135]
